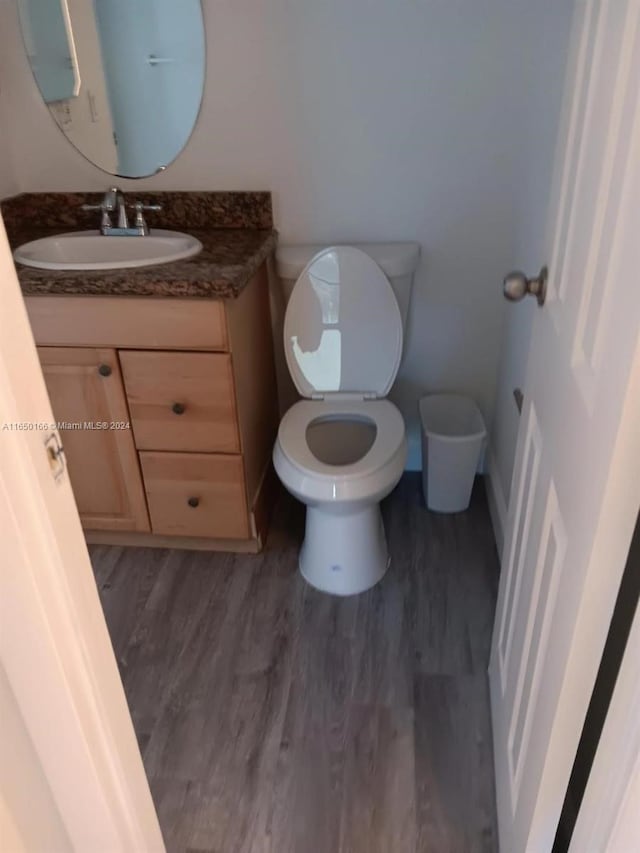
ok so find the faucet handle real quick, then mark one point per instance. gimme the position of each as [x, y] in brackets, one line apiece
[139, 207]
[140, 223]
[108, 202]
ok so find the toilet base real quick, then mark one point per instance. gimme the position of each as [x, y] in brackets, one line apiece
[343, 553]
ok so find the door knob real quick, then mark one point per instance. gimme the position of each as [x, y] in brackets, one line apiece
[516, 286]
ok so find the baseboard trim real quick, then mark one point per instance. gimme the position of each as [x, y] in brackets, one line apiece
[497, 501]
[185, 543]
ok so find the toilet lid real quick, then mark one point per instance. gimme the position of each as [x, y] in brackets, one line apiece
[342, 327]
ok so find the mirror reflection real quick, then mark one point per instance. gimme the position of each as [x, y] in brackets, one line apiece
[123, 80]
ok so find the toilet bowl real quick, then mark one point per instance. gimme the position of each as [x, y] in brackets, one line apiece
[343, 448]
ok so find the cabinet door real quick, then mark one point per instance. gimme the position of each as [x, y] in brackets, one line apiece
[87, 397]
[196, 494]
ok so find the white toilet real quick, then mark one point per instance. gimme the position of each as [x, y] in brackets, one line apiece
[343, 448]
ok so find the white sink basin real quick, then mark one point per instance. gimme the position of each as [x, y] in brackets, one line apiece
[90, 250]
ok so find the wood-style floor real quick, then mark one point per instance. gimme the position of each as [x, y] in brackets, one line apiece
[275, 719]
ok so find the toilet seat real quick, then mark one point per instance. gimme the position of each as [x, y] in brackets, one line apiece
[321, 481]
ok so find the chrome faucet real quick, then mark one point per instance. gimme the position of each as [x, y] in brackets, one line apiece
[114, 201]
[123, 222]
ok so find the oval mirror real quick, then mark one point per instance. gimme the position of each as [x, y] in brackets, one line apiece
[123, 80]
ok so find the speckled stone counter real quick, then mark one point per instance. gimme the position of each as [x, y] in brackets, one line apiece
[235, 230]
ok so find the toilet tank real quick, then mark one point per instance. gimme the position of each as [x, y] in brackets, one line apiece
[397, 260]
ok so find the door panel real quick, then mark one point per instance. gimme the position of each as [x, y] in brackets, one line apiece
[102, 460]
[567, 508]
[533, 634]
[518, 546]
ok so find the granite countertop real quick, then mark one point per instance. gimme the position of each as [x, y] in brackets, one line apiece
[233, 248]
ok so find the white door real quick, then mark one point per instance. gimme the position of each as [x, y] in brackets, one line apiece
[71, 775]
[576, 487]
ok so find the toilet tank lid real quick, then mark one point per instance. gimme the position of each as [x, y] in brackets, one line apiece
[394, 259]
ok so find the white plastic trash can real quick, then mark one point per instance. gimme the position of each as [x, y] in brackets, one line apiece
[453, 433]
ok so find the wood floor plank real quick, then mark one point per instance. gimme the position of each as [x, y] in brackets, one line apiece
[230, 810]
[383, 646]
[378, 813]
[171, 797]
[453, 761]
[454, 587]
[197, 683]
[185, 588]
[330, 614]
[103, 560]
[243, 711]
[309, 784]
[125, 582]
[383, 638]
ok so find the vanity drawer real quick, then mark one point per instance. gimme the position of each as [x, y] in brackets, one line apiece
[181, 401]
[138, 322]
[195, 494]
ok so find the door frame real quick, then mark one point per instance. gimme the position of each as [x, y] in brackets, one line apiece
[608, 818]
[54, 646]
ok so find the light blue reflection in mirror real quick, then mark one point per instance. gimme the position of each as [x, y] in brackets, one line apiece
[48, 41]
[153, 56]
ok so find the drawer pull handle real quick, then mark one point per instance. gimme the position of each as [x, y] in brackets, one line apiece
[104, 370]
[194, 502]
[178, 408]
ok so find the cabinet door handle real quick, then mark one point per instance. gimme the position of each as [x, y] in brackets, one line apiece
[194, 502]
[104, 370]
[178, 408]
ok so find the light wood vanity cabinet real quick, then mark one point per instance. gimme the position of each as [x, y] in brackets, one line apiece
[194, 379]
[86, 392]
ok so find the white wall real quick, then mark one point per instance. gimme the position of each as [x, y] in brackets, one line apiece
[367, 120]
[8, 179]
[547, 54]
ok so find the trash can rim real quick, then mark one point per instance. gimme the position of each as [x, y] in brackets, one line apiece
[478, 431]
[443, 436]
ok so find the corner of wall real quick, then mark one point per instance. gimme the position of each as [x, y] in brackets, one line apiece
[8, 182]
